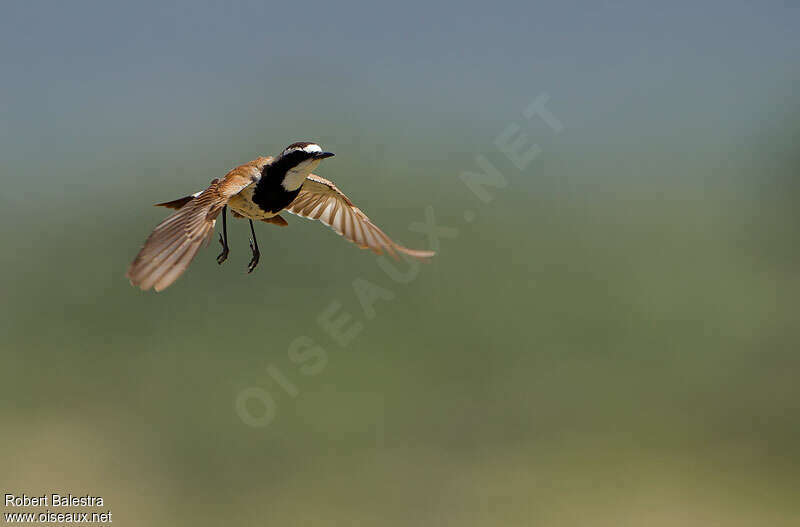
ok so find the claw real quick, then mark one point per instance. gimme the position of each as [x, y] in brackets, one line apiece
[224, 254]
[254, 261]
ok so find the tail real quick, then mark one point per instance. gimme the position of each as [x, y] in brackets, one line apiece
[177, 203]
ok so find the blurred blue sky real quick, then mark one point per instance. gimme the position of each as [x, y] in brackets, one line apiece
[83, 76]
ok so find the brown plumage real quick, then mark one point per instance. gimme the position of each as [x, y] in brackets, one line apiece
[175, 241]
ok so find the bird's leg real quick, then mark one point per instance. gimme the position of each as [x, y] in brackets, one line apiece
[254, 248]
[223, 238]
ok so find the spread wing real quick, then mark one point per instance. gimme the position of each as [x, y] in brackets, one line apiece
[175, 241]
[319, 199]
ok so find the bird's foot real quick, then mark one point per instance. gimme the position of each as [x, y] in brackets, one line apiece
[224, 254]
[256, 255]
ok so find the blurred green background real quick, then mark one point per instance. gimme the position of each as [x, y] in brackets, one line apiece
[612, 341]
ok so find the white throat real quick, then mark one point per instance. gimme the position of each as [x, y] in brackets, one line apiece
[297, 175]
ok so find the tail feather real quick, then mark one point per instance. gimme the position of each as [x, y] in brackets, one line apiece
[177, 203]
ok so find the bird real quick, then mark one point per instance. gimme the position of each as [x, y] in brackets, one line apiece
[259, 190]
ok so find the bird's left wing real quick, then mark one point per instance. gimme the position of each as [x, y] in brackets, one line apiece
[319, 199]
[175, 241]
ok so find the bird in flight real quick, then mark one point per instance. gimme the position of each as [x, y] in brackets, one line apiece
[258, 190]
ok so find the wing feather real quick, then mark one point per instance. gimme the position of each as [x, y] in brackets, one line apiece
[319, 199]
[174, 242]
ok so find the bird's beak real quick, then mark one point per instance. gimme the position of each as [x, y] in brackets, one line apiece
[323, 155]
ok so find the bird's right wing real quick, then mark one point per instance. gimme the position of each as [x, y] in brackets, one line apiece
[175, 241]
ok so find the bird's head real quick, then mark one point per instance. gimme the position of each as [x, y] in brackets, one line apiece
[297, 161]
